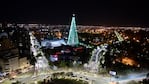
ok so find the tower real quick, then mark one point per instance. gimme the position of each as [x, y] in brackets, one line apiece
[73, 35]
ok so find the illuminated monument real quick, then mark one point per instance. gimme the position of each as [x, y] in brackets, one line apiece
[73, 36]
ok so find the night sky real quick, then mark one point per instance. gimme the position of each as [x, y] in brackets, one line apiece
[93, 12]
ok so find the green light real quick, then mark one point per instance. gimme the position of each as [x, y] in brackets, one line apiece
[73, 35]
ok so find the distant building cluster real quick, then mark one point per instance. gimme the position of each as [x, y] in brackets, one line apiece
[47, 31]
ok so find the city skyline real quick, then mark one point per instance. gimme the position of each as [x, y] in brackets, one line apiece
[108, 13]
[31, 53]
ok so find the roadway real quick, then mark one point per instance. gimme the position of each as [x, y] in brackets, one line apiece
[130, 77]
[90, 77]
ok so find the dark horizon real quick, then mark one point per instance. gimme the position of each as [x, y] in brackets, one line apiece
[108, 13]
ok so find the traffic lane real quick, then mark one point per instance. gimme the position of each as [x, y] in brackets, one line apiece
[95, 79]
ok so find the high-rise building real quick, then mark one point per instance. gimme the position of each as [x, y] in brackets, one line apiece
[22, 40]
[73, 35]
[10, 59]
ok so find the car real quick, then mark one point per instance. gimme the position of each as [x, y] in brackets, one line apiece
[74, 76]
[86, 78]
[12, 78]
[69, 73]
[81, 77]
[116, 76]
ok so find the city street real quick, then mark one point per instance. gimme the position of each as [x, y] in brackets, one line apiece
[92, 78]
[30, 78]
[130, 77]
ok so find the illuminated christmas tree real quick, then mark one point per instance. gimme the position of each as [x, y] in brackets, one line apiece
[73, 35]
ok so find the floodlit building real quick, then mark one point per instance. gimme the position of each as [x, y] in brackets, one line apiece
[9, 64]
[53, 43]
[12, 63]
[10, 59]
[8, 54]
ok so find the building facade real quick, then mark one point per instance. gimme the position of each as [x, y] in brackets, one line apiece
[10, 59]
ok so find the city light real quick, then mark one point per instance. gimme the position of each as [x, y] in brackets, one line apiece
[43, 52]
